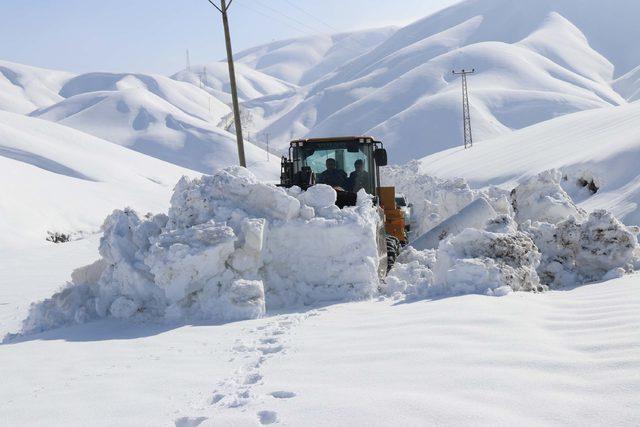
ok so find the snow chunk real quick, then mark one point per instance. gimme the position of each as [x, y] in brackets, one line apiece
[474, 215]
[576, 252]
[541, 198]
[320, 196]
[476, 261]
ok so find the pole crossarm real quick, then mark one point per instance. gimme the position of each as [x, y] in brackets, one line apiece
[220, 9]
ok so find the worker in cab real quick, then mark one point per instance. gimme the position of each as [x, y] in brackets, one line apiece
[359, 178]
[337, 178]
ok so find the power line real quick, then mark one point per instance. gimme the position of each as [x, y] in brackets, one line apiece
[315, 31]
[287, 16]
[331, 27]
[312, 15]
[276, 18]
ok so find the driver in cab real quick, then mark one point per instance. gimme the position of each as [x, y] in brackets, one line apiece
[333, 176]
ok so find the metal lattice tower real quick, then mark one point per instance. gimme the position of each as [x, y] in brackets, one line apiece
[466, 115]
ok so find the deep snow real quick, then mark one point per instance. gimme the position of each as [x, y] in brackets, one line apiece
[450, 361]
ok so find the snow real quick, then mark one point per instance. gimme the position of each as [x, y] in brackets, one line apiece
[163, 118]
[575, 351]
[304, 60]
[534, 61]
[475, 215]
[24, 88]
[59, 179]
[236, 302]
[601, 144]
[578, 252]
[222, 253]
[251, 83]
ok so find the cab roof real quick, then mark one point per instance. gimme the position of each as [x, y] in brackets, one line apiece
[362, 139]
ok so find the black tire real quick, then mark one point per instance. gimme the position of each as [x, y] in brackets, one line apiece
[393, 250]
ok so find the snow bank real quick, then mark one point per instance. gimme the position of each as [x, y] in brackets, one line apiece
[541, 198]
[544, 241]
[474, 215]
[472, 261]
[230, 248]
[434, 200]
[576, 252]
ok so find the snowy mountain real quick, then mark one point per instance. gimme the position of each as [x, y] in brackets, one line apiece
[214, 78]
[167, 119]
[24, 88]
[62, 180]
[304, 60]
[534, 61]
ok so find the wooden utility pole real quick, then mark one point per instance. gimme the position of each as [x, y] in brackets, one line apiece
[223, 8]
[466, 114]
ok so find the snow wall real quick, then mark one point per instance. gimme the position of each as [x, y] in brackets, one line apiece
[229, 248]
[232, 248]
[494, 241]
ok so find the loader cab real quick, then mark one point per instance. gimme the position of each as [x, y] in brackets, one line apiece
[356, 159]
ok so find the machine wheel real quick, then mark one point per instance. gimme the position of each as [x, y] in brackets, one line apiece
[393, 250]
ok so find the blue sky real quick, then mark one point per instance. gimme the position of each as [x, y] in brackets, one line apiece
[153, 35]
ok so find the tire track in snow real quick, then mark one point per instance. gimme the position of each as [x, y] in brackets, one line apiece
[238, 391]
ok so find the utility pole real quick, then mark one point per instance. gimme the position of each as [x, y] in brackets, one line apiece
[223, 8]
[466, 115]
[188, 61]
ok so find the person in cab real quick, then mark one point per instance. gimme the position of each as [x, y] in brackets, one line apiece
[333, 176]
[359, 178]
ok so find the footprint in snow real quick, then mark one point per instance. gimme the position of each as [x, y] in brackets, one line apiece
[281, 394]
[252, 378]
[267, 417]
[271, 350]
[189, 421]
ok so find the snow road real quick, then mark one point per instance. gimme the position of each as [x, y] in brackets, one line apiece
[561, 357]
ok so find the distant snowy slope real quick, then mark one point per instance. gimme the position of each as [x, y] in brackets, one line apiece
[534, 61]
[601, 145]
[58, 179]
[306, 59]
[24, 88]
[629, 85]
[138, 119]
[188, 98]
[214, 78]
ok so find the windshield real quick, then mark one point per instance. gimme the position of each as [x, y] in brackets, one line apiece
[334, 165]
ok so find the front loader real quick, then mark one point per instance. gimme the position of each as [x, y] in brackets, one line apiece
[349, 164]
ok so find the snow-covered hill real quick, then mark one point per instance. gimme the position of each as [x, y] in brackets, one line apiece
[214, 78]
[304, 60]
[24, 88]
[600, 145]
[58, 179]
[534, 61]
[167, 119]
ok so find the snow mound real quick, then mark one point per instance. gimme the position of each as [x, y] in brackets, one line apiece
[544, 241]
[541, 198]
[471, 261]
[230, 248]
[576, 252]
[434, 200]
